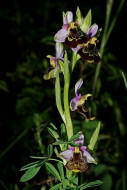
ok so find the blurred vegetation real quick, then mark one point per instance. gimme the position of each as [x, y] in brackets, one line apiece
[27, 101]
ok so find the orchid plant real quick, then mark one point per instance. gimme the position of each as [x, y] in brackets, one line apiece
[73, 157]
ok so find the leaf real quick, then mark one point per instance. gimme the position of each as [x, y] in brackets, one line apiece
[100, 169]
[91, 184]
[125, 80]
[107, 182]
[61, 171]
[94, 137]
[37, 157]
[66, 69]
[42, 162]
[56, 186]
[54, 127]
[30, 165]
[53, 133]
[53, 171]
[58, 97]
[74, 137]
[59, 142]
[29, 174]
[50, 150]
[61, 63]
[86, 22]
[79, 16]
[63, 130]
[74, 180]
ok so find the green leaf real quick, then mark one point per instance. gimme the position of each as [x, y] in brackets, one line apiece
[74, 180]
[74, 137]
[91, 184]
[66, 69]
[29, 174]
[58, 97]
[59, 142]
[56, 186]
[30, 165]
[61, 171]
[86, 22]
[53, 171]
[125, 80]
[38, 157]
[63, 130]
[61, 63]
[79, 16]
[107, 182]
[53, 133]
[50, 150]
[94, 137]
[54, 127]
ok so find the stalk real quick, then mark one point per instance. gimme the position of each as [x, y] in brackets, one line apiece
[69, 126]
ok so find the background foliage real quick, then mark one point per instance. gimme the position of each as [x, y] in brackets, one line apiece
[27, 101]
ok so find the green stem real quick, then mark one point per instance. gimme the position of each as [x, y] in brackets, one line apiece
[69, 126]
[67, 112]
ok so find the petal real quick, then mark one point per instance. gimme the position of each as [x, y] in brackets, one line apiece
[51, 74]
[88, 157]
[82, 148]
[61, 35]
[80, 140]
[78, 86]
[59, 50]
[76, 49]
[71, 148]
[74, 103]
[68, 17]
[83, 99]
[92, 30]
[67, 154]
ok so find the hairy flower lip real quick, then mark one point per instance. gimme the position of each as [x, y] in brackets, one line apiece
[68, 154]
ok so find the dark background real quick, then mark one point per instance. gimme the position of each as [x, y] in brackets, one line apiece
[27, 30]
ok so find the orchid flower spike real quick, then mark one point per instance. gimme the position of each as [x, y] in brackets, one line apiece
[54, 61]
[61, 35]
[77, 103]
[77, 158]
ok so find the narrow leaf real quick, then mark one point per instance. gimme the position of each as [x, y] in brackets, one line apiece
[29, 174]
[66, 69]
[56, 186]
[63, 130]
[59, 142]
[74, 137]
[53, 171]
[30, 165]
[50, 150]
[53, 133]
[54, 127]
[94, 137]
[91, 184]
[87, 22]
[78, 16]
[58, 97]
[60, 167]
[125, 80]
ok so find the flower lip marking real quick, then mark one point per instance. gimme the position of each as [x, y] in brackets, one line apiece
[77, 103]
[77, 158]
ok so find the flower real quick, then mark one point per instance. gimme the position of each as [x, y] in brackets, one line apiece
[61, 35]
[77, 158]
[77, 103]
[54, 61]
